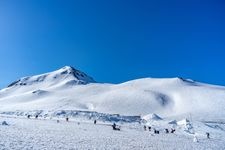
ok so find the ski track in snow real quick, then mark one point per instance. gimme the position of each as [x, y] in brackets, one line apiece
[35, 134]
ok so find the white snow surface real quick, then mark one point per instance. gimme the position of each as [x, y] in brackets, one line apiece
[38, 134]
[71, 89]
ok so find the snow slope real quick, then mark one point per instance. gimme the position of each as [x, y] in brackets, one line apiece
[71, 89]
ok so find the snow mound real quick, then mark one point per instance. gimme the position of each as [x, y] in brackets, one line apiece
[186, 125]
[173, 122]
[151, 117]
[183, 122]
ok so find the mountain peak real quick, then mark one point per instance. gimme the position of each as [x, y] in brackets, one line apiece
[66, 73]
[67, 68]
[79, 75]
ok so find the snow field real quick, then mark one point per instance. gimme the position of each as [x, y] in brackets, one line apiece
[22, 133]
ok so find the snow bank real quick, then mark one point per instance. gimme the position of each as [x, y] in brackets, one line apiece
[186, 125]
[75, 114]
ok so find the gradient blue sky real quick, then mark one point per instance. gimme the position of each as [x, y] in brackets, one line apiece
[113, 40]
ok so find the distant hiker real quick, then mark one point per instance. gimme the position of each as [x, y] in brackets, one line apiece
[57, 121]
[28, 116]
[36, 116]
[67, 119]
[95, 121]
[167, 131]
[173, 130]
[145, 128]
[115, 128]
[156, 131]
[207, 134]
[149, 128]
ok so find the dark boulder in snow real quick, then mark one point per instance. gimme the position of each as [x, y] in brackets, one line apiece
[4, 123]
[39, 92]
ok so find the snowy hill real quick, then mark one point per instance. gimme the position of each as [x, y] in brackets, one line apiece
[71, 89]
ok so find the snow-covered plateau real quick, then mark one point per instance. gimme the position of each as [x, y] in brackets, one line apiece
[192, 108]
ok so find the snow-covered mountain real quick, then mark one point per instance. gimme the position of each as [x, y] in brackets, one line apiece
[71, 89]
[66, 73]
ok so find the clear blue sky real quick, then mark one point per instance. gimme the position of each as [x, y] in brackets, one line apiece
[113, 40]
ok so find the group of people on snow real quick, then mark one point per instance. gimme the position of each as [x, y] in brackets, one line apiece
[157, 131]
[149, 128]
